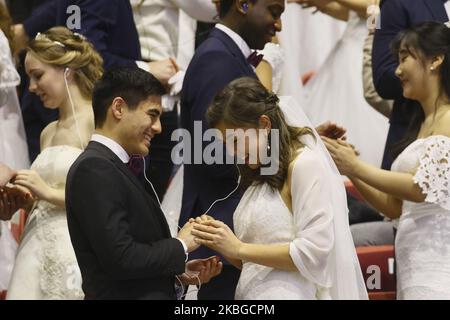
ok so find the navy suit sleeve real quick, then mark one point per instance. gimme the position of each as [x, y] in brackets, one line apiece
[103, 218]
[214, 71]
[394, 18]
[97, 17]
[42, 19]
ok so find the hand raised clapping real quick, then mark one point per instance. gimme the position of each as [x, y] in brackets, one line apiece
[343, 154]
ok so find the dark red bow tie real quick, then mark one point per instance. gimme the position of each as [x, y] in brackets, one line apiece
[136, 165]
[255, 58]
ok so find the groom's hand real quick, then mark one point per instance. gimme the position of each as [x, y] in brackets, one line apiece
[201, 270]
[185, 234]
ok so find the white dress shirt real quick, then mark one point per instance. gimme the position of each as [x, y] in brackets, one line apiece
[447, 8]
[112, 145]
[242, 45]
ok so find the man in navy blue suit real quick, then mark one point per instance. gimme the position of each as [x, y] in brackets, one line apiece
[221, 58]
[398, 15]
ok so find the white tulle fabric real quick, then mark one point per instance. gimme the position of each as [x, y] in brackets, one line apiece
[13, 146]
[336, 94]
[46, 266]
[422, 244]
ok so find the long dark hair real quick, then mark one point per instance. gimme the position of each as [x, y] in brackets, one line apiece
[423, 42]
[241, 103]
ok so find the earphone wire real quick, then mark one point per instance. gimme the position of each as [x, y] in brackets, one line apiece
[73, 110]
[210, 207]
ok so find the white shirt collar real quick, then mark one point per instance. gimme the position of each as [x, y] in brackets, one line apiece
[243, 46]
[112, 145]
[447, 8]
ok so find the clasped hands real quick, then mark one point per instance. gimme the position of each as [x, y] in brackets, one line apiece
[12, 196]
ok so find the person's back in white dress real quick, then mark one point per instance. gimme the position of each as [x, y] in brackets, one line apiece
[422, 245]
[335, 93]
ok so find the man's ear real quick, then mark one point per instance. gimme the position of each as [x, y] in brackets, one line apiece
[118, 107]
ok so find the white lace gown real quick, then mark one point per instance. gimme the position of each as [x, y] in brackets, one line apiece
[46, 266]
[335, 93]
[422, 245]
[263, 218]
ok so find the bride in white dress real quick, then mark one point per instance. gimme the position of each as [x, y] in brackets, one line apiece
[292, 236]
[62, 67]
[336, 92]
[417, 189]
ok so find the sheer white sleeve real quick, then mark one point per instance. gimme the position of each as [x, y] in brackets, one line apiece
[274, 55]
[313, 218]
[433, 173]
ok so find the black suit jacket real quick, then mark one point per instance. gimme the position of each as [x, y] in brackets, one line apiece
[119, 233]
[396, 16]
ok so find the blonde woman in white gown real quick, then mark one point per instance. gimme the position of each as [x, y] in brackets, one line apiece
[62, 67]
[336, 92]
[417, 189]
[292, 236]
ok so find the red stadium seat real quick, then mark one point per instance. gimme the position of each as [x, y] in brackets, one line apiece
[378, 268]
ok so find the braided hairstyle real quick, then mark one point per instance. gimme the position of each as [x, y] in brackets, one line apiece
[61, 47]
[241, 103]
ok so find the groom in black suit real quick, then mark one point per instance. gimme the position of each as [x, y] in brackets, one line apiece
[119, 233]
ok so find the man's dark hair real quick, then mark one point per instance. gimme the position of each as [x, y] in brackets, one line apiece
[225, 6]
[132, 84]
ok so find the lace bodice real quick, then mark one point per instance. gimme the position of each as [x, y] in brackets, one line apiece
[423, 238]
[429, 160]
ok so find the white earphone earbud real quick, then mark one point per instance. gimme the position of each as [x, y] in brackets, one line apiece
[66, 71]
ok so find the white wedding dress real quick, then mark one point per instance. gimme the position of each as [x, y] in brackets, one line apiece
[336, 94]
[422, 246]
[263, 218]
[46, 266]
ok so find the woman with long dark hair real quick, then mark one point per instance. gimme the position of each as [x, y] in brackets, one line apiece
[417, 189]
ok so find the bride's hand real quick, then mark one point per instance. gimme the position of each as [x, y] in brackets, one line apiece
[217, 236]
[343, 154]
[32, 181]
[201, 219]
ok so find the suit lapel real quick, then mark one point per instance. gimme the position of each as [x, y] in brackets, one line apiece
[437, 10]
[107, 153]
[234, 49]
